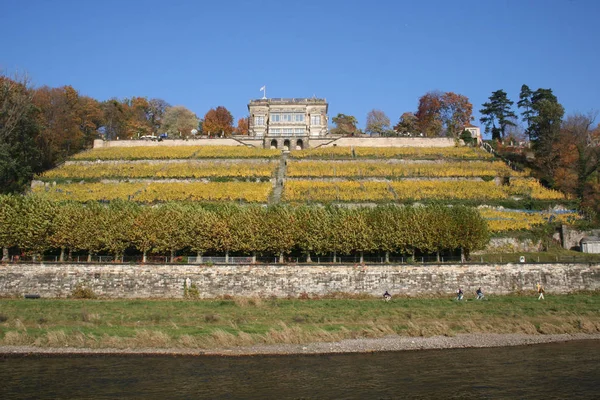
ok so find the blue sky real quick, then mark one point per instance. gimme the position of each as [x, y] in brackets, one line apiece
[359, 55]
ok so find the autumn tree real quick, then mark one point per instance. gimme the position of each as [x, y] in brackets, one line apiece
[429, 114]
[179, 121]
[313, 229]
[10, 220]
[247, 230]
[218, 122]
[578, 153]
[378, 124]
[68, 123]
[19, 128]
[170, 235]
[90, 229]
[37, 224]
[457, 113]
[353, 232]
[114, 119]
[138, 123]
[242, 126]
[469, 230]
[279, 230]
[65, 232]
[117, 221]
[156, 112]
[345, 125]
[146, 229]
[197, 231]
[443, 113]
[90, 119]
[221, 233]
[407, 125]
[497, 111]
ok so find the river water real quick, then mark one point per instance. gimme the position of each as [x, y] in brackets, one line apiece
[545, 371]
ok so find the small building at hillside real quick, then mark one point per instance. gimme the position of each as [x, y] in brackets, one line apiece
[287, 124]
[475, 132]
[590, 244]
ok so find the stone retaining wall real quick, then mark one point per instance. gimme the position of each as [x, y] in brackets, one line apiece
[324, 142]
[167, 281]
[392, 142]
[99, 143]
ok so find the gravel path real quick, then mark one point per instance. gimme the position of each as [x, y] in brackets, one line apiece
[389, 343]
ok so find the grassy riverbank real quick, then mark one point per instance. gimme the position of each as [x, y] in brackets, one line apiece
[209, 324]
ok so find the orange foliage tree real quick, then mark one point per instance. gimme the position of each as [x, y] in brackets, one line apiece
[218, 121]
[578, 153]
[440, 113]
[68, 122]
[136, 119]
[242, 127]
[457, 112]
[429, 114]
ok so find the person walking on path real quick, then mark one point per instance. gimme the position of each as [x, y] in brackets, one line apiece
[540, 290]
[479, 294]
[387, 296]
[459, 294]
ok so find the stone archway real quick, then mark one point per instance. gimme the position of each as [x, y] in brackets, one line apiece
[286, 144]
[273, 144]
[299, 144]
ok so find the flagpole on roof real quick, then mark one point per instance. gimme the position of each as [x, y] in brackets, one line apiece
[264, 90]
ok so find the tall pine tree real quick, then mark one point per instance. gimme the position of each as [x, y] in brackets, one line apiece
[498, 109]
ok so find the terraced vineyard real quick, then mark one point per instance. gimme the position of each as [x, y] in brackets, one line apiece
[414, 190]
[513, 220]
[174, 153]
[455, 175]
[163, 174]
[162, 170]
[155, 191]
[397, 170]
[419, 153]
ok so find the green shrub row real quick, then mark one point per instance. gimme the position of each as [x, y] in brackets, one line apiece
[35, 225]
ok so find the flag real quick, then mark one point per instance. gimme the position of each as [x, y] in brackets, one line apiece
[262, 88]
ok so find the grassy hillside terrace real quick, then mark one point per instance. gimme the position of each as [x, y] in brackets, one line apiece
[246, 321]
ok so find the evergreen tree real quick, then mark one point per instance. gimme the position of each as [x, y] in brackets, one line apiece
[525, 103]
[498, 109]
[544, 131]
